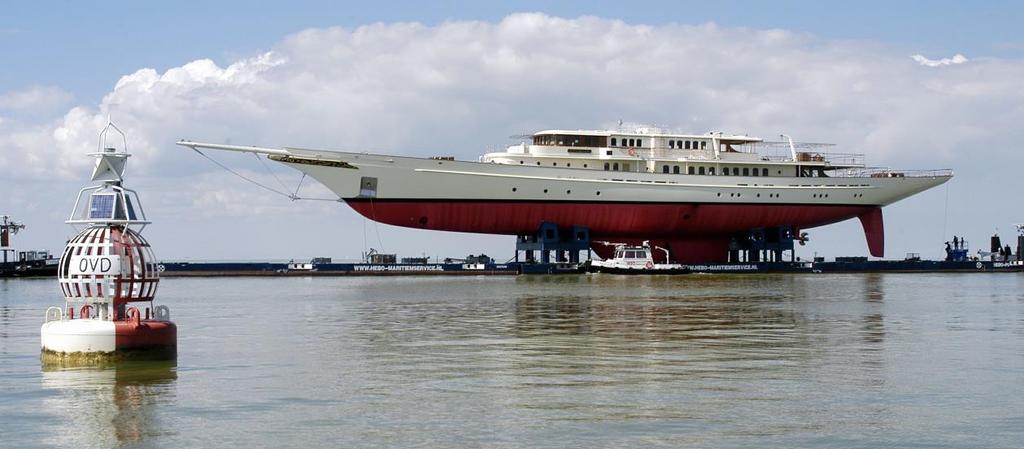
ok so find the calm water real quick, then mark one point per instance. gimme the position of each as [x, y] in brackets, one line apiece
[588, 361]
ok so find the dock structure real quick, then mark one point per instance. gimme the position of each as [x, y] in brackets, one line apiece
[566, 244]
[765, 245]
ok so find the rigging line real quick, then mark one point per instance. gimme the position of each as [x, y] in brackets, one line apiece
[299, 185]
[290, 196]
[376, 224]
[267, 168]
[945, 214]
[229, 170]
[364, 238]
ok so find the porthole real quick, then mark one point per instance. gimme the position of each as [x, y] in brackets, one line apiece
[758, 195]
[584, 165]
[520, 162]
[538, 162]
[719, 193]
[545, 190]
[598, 193]
[554, 164]
[568, 192]
[568, 164]
[514, 189]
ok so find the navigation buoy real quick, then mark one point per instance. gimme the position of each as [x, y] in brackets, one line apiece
[109, 276]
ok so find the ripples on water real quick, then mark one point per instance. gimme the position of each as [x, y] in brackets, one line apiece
[569, 361]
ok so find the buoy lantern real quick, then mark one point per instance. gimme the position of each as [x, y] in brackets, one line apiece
[108, 276]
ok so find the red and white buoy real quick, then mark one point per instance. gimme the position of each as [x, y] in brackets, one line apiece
[109, 277]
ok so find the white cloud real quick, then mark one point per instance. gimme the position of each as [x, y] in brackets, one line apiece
[956, 59]
[35, 99]
[462, 86]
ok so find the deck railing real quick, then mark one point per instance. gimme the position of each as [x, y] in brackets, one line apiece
[887, 173]
[756, 153]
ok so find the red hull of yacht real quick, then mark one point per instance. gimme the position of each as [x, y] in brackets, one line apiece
[694, 232]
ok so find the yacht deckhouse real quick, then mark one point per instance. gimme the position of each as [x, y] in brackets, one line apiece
[645, 151]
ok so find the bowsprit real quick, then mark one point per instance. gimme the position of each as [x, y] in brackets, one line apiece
[109, 277]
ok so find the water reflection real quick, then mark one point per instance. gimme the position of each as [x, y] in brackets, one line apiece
[698, 349]
[620, 329]
[111, 406]
[6, 318]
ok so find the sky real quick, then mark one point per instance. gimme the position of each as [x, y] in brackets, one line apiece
[914, 85]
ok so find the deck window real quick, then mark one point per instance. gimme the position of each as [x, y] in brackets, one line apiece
[711, 170]
[746, 171]
[764, 172]
[671, 144]
[703, 145]
[639, 142]
[687, 144]
[631, 142]
[613, 141]
[675, 169]
[615, 166]
[735, 171]
[664, 168]
[689, 170]
[605, 166]
[700, 170]
[570, 140]
[756, 172]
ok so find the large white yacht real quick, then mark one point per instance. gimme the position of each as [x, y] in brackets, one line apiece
[690, 193]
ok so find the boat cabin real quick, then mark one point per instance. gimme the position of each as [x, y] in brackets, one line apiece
[630, 253]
